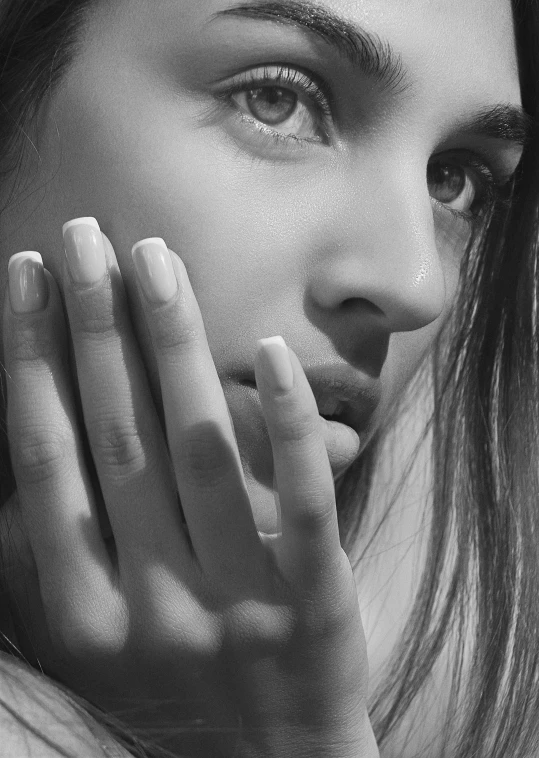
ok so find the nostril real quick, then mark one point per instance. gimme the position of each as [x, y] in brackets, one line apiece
[363, 305]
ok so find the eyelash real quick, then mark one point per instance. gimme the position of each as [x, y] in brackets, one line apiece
[492, 184]
[292, 78]
[492, 190]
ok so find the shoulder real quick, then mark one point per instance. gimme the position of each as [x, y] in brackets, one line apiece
[38, 719]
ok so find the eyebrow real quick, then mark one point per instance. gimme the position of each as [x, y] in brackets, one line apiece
[360, 48]
[503, 122]
[376, 58]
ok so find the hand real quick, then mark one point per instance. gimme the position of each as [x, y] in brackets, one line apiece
[231, 626]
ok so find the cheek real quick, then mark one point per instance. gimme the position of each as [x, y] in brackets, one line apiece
[452, 237]
[229, 221]
[405, 353]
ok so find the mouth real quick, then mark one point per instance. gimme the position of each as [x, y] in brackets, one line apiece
[331, 409]
[344, 394]
[346, 401]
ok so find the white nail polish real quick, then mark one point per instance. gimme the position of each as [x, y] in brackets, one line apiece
[89, 220]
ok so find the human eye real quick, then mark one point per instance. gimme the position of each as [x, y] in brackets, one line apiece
[464, 185]
[280, 102]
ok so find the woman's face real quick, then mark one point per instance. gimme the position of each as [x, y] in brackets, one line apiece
[316, 185]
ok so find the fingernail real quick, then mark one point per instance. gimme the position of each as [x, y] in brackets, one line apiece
[154, 269]
[28, 288]
[275, 363]
[84, 250]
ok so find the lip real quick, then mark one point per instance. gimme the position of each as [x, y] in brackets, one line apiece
[358, 395]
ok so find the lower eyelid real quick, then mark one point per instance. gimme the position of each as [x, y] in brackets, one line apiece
[267, 130]
[466, 217]
[264, 141]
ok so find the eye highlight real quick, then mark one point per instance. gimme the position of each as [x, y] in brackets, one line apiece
[281, 101]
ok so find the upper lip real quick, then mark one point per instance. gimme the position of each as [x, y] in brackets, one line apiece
[359, 393]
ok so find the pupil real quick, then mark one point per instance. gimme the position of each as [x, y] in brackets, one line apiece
[446, 182]
[271, 105]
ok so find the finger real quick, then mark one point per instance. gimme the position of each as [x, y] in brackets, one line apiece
[127, 442]
[52, 480]
[199, 429]
[310, 535]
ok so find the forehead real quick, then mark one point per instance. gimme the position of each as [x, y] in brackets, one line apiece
[464, 46]
[458, 56]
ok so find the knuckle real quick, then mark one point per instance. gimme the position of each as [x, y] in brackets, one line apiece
[202, 641]
[119, 446]
[94, 312]
[323, 619]
[205, 457]
[85, 634]
[170, 621]
[184, 337]
[94, 323]
[194, 638]
[29, 343]
[265, 628]
[87, 619]
[312, 520]
[38, 453]
[301, 425]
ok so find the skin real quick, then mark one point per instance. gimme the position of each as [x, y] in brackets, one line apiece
[122, 140]
[133, 154]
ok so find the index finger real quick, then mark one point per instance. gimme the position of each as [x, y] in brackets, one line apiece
[310, 533]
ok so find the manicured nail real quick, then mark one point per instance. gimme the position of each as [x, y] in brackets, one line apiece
[28, 288]
[275, 363]
[154, 269]
[84, 250]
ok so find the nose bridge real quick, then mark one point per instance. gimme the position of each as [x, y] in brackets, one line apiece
[384, 224]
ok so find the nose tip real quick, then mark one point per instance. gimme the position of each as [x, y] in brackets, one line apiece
[414, 297]
[406, 291]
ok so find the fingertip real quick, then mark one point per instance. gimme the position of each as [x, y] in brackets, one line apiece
[88, 220]
[32, 254]
[275, 365]
[154, 270]
[28, 289]
[277, 340]
[148, 241]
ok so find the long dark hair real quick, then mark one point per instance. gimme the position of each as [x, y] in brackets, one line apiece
[484, 541]
[481, 578]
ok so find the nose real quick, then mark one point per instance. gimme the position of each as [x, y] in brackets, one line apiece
[381, 248]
